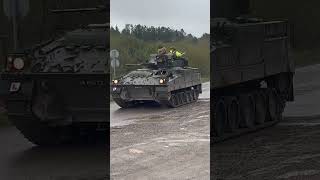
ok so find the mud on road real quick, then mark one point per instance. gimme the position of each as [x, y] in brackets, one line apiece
[162, 143]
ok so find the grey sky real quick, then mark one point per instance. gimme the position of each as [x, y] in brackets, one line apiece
[191, 15]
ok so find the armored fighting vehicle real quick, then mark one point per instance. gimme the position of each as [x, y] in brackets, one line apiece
[58, 89]
[252, 75]
[169, 82]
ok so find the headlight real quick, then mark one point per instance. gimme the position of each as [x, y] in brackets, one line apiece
[18, 63]
[115, 81]
[162, 81]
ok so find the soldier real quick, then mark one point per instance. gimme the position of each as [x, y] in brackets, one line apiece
[162, 58]
[162, 50]
[177, 55]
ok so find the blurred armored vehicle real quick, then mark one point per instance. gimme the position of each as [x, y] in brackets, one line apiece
[58, 88]
[252, 75]
[170, 82]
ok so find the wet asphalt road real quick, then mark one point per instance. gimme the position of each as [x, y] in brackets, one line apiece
[288, 151]
[152, 142]
[21, 160]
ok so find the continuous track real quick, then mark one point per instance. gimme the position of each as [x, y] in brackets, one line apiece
[243, 131]
[181, 98]
[253, 111]
[176, 99]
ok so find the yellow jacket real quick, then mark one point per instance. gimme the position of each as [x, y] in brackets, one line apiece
[176, 53]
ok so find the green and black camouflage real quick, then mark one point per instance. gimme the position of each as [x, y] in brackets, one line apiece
[251, 72]
[168, 81]
[60, 95]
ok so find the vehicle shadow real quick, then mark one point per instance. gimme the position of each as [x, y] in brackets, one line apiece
[149, 106]
[69, 162]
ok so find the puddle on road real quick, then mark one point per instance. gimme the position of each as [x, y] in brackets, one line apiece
[302, 158]
[296, 174]
[299, 124]
[312, 120]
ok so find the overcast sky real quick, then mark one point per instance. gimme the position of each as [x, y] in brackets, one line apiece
[191, 15]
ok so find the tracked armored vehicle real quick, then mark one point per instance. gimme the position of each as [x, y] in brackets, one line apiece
[58, 88]
[252, 75]
[172, 83]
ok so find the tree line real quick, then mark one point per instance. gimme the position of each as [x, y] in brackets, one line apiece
[164, 34]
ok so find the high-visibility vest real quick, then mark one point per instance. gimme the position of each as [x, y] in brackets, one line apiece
[176, 53]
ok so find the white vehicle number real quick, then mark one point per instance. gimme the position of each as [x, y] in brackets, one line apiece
[15, 86]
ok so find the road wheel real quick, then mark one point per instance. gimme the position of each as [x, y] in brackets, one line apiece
[173, 101]
[189, 97]
[34, 124]
[122, 103]
[282, 103]
[220, 118]
[273, 105]
[193, 95]
[196, 95]
[41, 133]
[233, 114]
[169, 103]
[184, 98]
[261, 108]
[176, 100]
[180, 98]
[247, 111]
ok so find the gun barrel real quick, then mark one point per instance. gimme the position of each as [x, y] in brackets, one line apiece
[134, 64]
[99, 9]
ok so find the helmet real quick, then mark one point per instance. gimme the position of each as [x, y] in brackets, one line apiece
[172, 48]
[160, 46]
[162, 51]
